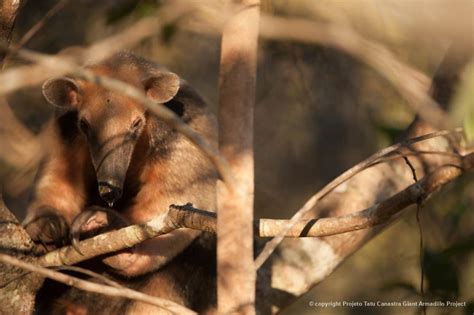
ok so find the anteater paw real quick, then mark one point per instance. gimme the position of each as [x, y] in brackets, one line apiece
[49, 229]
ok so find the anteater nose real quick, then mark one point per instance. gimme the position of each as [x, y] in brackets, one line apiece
[109, 192]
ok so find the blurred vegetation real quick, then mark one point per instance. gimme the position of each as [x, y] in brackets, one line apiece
[463, 107]
[318, 112]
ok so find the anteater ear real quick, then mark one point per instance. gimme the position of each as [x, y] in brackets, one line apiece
[162, 87]
[62, 92]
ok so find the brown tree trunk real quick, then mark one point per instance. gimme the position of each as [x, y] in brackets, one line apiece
[236, 271]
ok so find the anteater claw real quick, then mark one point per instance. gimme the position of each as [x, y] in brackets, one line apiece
[93, 221]
[77, 228]
[75, 245]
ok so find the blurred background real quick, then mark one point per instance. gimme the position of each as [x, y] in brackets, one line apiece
[318, 112]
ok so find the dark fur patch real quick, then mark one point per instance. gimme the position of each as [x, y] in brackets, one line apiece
[67, 124]
[175, 106]
[161, 136]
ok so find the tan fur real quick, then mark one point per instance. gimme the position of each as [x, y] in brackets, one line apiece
[62, 183]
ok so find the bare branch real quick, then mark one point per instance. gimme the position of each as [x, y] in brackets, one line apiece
[38, 25]
[378, 214]
[312, 202]
[176, 217]
[122, 292]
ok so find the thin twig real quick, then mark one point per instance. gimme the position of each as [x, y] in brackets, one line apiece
[422, 257]
[95, 287]
[31, 75]
[90, 273]
[419, 202]
[33, 30]
[416, 153]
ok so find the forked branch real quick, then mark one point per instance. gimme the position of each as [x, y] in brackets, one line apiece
[188, 217]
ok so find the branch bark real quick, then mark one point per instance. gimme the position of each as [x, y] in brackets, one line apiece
[399, 149]
[15, 286]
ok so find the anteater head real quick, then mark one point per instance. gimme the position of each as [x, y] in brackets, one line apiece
[110, 122]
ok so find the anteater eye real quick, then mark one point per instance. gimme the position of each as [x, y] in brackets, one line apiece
[137, 123]
[84, 125]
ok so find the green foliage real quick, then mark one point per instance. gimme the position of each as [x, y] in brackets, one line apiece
[117, 13]
[463, 105]
[146, 8]
[138, 8]
[167, 32]
[393, 134]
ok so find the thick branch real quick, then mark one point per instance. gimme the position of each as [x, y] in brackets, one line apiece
[176, 217]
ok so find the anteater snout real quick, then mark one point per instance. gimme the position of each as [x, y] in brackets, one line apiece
[109, 192]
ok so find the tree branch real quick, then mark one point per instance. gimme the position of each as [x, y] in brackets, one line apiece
[89, 286]
[378, 214]
[314, 200]
[189, 217]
